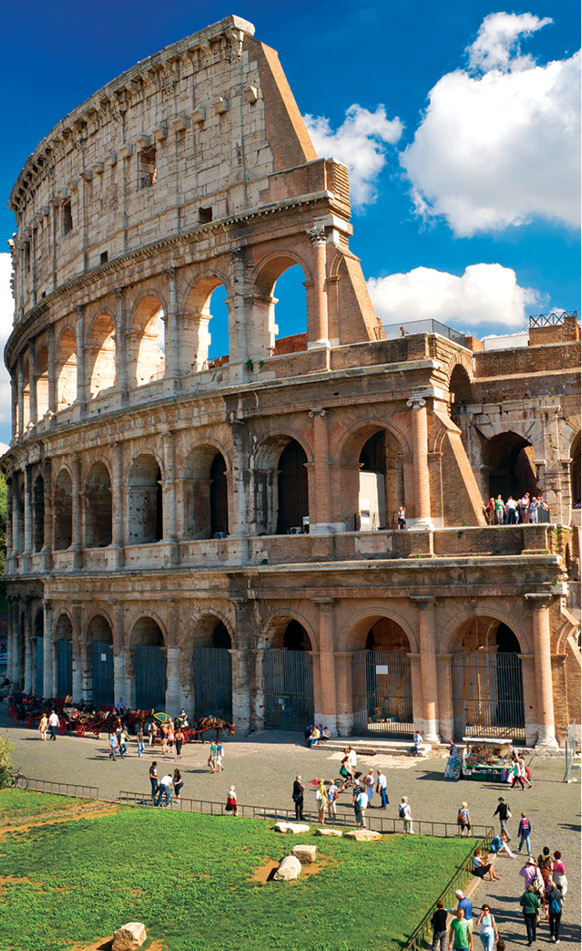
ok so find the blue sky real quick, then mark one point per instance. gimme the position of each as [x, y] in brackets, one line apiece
[460, 122]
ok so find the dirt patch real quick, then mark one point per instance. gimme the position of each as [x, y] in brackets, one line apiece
[104, 944]
[13, 880]
[265, 872]
[24, 827]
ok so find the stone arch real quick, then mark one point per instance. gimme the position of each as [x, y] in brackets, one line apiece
[99, 637]
[281, 483]
[206, 509]
[195, 329]
[100, 354]
[145, 501]
[575, 469]
[63, 510]
[98, 507]
[38, 523]
[204, 630]
[148, 640]
[263, 327]
[63, 647]
[354, 634]
[371, 473]
[66, 369]
[457, 632]
[273, 632]
[42, 382]
[460, 389]
[147, 336]
[509, 457]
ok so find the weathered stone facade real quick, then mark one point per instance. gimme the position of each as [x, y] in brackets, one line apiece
[157, 499]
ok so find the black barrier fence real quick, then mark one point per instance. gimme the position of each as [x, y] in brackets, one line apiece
[78, 791]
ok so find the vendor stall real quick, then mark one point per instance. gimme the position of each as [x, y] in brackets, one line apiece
[488, 762]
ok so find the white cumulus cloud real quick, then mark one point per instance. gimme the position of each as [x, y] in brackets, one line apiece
[6, 318]
[501, 147]
[484, 294]
[360, 143]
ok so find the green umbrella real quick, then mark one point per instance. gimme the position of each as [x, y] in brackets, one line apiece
[162, 717]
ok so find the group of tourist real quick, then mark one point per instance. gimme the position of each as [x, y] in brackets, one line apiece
[515, 511]
[162, 786]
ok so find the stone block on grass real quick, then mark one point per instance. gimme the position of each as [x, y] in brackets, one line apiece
[305, 853]
[329, 832]
[129, 936]
[289, 869]
[293, 827]
[363, 835]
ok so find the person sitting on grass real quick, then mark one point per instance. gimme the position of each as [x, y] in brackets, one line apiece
[481, 867]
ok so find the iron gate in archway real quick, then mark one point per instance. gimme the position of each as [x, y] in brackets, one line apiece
[488, 695]
[37, 665]
[382, 693]
[288, 689]
[212, 669]
[64, 668]
[150, 677]
[102, 674]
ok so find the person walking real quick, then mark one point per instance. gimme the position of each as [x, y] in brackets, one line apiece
[171, 736]
[460, 933]
[297, 796]
[43, 726]
[504, 814]
[212, 757]
[524, 771]
[405, 814]
[140, 742]
[439, 927]
[360, 802]
[559, 874]
[487, 928]
[465, 903]
[218, 760]
[554, 903]
[154, 780]
[530, 904]
[464, 819]
[369, 784]
[122, 743]
[321, 801]
[53, 722]
[178, 783]
[524, 832]
[517, 778]
[179, 740]
[401, 518]
[332, 794]
[231, 801]
[164, 738]
[382, 788]
[113, 746]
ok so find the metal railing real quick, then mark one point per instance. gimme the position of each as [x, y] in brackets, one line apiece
[78, 791]
[426, 326]
[550, 320]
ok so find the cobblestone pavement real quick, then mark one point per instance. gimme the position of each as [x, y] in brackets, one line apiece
[263, 766]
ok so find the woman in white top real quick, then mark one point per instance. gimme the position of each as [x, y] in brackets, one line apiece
[320, 800]
[488, 929]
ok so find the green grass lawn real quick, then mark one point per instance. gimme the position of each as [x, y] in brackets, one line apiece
[188, 878]
[15, 804]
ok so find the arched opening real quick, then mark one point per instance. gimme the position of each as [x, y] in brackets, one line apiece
[288, 677]
[100, 650]
[204, 329]
[21, 650]
[150, 665]
[38, 653]
[206, 494]
[283, 315]
[487, 681]
[381, 678]
[26, 395]
[66, 370]
[64, 656]
[212, 669]
[145, 504]
[575, 470]
[460, 390]
[42, 382]
[372, 479]
[149, 341]
[510, 459]
[98, 511]
[63, 511]
[292, 489]
[38, 513]
[101, 354]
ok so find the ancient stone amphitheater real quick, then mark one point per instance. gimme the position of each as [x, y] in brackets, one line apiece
[221, 534]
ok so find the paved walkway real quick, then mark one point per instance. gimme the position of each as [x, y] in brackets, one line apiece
[264, 765]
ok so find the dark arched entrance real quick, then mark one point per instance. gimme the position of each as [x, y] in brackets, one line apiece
[218, 497]
[511, 471]
[64, 656]
[288, 678]
[150, 664]
[381, 680]
[575, 470]
[212, 670]
[293, 501]
[38, 654]
[100, 649]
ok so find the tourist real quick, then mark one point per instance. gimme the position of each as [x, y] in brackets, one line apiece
[212, 757]
[488, 928]
[149, 729]
[517, 777]
[43, 726]
[403, 332]
[164, 789]
[164, 738]
[179, 740]
[178, 783]
[325, 734]
[523, 507]
[504, 814]
[53, 722]
[345, 770]
[464, 904]
[369, 783]
[140, 743]
[499, 510]
[353, 761]
[113, 746]
[405, 813]
[524, 771]
[499, 844]
[533, 511]
[219, 753]
[415, 749]
[464, 819]
[360, 802]
[490, 511]
[231, 802]
[559, 874]
[120, 707]
[401, 518]
[511, 511]
[320, 801]
[554, 902]
[332, 794]
[314, 737]
[460, 933]
[524, 833]
[297, 796]
[481, 867]
[382, 788]
[171, 736]
[439, 927]
[182, 719]
[154, 780]
[530, 904]
[122, 741]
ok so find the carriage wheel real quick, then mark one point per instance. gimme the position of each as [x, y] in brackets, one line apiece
[80, 729]
[62, 726]
[28, 721]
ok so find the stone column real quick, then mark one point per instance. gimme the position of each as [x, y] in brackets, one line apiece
[81, 376]
[428, 668]
[14, 404]
[344, 692]
[237, 323]
[257, 689]
[241, 697]
[48, 515]
[326, 702]
[17, 541]
[76, 542]
[321, 523]
[77, 686]
[52, 375]
[9, 535]
[445, 702]
[28, 669]
[47, 649]
[33, 408]
[118, 498]
[120, 684]
[173, 693]
[172, 343]
[20, 385]
[27, 518]
[238, 509]
[121, 344]
[540, 604]
[318, 331]
[169, 493]
[419, 439]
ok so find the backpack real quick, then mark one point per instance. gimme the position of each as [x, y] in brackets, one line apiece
[401, 811]
[555, 906]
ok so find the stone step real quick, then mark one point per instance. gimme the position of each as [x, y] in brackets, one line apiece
[363, 747]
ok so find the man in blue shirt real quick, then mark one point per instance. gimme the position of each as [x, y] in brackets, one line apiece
[465, 903]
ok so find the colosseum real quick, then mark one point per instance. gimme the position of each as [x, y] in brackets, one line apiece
[222, 534]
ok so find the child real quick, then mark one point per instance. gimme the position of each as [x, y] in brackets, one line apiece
[524, 833]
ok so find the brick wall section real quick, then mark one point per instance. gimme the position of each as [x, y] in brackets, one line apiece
[461, 496]
[527, 360]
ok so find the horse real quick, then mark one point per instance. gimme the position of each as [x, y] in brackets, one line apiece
[214, 723]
